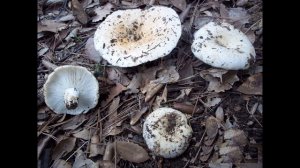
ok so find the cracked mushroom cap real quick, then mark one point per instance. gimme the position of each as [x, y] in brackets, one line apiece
[221, 45]
[131, 37]
[71, 89]
[167, 132]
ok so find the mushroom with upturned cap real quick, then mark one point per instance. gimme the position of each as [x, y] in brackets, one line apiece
[167, 132]
[221, 45]
[131, 37]
[71, 89]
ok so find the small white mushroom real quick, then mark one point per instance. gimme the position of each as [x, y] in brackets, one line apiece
[131, 37]
[71, 89]
[221, 45]
[167, 132]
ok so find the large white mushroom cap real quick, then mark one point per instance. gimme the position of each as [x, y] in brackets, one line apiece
[71, 89]
[131, 37]
[221, 45]
[167, 132]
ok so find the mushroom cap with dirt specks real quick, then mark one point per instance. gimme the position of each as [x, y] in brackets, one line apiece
[220, 45]
[167, 132]
[75, 81]
[132, 37]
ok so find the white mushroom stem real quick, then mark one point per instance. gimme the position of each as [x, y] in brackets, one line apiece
[71, 97]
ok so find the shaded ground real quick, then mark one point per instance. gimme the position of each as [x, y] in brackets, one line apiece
[63, 137]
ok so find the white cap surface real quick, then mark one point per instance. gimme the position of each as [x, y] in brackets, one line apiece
[71, 89]
[221, 45]
[131, 37]
[167, 132]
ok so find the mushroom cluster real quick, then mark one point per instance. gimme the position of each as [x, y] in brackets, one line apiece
[167, 132]
[220, 45]
[71, 89]
[131, 37]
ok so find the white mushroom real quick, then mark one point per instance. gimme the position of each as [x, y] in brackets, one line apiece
[131, 37]
[167, 132]
[221, 45]
[71, 89]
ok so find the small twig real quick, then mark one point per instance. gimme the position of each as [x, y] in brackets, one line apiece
[198, 152]
[76, 150]
[152, 2]
[252, 114]
[43, 143]
[115, 148]
[252, 26]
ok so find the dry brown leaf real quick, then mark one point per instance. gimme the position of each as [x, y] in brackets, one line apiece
[91, 52]
[152, 88]
[116, 75]
[110, 126]
[148, 75]
[135, 83]
[180, 4]
[109, 151]
[137, 115]
[165, 94]
[86, 3]
[67, 18]
[201, 21]
[241, 2]
[51, 26]
[223, 11]
[220, 165]
[209, 142]
[113, 130]
[227, 149]
[234, 156]
[59, 163]
[74, 123]
[167, 75]
[249, 165]
[252, 86]
[238, 16]
[183, 93]
[220, 113]
[83, 134]
[186, 108]
[137, 128]
[82, 162]
[219, 79]
[159, 99]
[131, 152]
[212, 101]
[52, 2]
[102, 12]
[72, 34]
[63, 147]
[106, 164]
[94, 146]
[114, 91]
[43, 51]
[237, 137]
[211, 126]
[79, 12]
[206, 150]
[204, 158]
[186, 71]
[49, 65]
[251, 36]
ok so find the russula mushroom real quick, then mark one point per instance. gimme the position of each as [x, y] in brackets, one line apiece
[131, 37]
[167, 132]
[220, 45]
[71, 89]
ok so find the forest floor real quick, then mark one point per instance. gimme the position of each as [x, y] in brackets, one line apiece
[224, 108]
